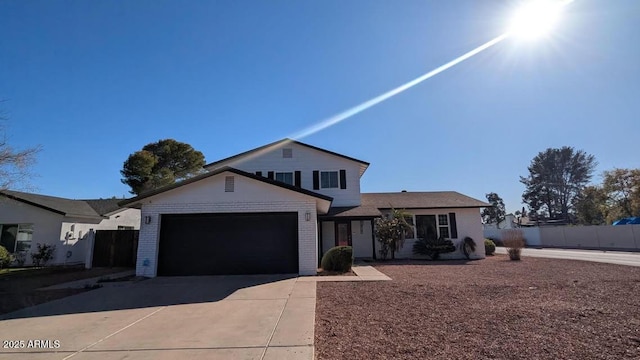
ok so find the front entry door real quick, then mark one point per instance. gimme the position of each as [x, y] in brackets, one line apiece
[343, 233]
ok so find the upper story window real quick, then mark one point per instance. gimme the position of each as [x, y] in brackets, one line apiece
[329, 179]
[285, 177]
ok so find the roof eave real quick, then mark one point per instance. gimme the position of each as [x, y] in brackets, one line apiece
[363, 165]
[135, 201]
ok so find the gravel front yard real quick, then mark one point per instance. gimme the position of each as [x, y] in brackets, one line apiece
[488, 309]
[19, 289]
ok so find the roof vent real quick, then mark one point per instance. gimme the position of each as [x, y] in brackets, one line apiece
[229, 183]
[287, 153]
[404, 191]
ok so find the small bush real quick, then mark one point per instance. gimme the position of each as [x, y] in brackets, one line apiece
[19, 258]
[43, 254]
[489, 247]
[514, 242]
[5, 257]
[433, 247]
[339, 258]
[468, 246]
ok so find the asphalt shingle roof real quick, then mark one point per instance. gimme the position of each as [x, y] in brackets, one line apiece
[104, 206]
[67, 207]
[421, 200]
[372, 203]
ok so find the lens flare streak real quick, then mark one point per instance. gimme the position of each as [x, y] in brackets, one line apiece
[380, 98]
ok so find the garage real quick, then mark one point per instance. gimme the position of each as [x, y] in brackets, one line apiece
[228, 244]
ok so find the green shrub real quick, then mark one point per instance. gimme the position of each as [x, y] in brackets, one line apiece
[5, 257]
[433, 247]
[468, 246]
[489, 247]
[43, 254]
[339, 258]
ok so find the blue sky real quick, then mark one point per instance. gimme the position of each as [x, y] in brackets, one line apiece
[93, 81]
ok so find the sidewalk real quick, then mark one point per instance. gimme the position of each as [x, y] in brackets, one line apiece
[610, 257]
[363, 273]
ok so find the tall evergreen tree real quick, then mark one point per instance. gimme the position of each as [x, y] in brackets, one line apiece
[556, 178]
[161, 163]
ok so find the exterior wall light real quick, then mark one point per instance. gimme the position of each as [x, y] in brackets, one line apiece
[307, 216]
[147, 219]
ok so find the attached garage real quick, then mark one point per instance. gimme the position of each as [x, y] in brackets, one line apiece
[228, 222]
[228, 244]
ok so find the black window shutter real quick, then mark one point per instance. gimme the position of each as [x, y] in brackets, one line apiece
[298, 179]
[452, 224]
[316, 180]
[270, 175]
[343, 179]
[259, 173]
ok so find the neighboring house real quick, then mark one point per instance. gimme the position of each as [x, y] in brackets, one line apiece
[510, 222]
[277, 209]
[27, 219]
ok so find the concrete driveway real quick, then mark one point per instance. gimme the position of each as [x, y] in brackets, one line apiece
[212, 317]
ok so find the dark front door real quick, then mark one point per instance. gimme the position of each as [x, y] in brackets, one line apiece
[225, 244]
[343, 233]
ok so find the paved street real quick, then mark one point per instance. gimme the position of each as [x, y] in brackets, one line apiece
[611, 257]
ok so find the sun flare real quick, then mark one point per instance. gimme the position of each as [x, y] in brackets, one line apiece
[535, 19]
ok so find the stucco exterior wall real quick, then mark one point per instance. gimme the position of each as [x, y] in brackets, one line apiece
[468, 223]
[306, 160]
[125, 217]
[46, 224]
[209, 196]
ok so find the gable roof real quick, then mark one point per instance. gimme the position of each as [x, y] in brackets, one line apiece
[363, 164]
[62, 206]
[421, 200]
[216, 172]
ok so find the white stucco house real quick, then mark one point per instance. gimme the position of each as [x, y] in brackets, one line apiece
[277, 209]
[27, 219]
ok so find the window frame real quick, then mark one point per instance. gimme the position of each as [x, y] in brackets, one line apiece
[17, 241]
[410, 218]
[442, 225]
[284, 173]
[337, 179]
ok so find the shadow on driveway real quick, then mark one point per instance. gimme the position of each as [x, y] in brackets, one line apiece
[160, 291]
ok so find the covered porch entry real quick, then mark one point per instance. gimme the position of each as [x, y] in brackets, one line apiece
[350, 227]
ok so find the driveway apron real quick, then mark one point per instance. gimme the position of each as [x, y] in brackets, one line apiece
[204, 317]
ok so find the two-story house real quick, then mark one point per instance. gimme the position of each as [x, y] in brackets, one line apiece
[277, 209]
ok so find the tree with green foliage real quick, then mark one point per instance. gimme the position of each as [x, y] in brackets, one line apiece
[556, 178]
[591, 206]
[390, 232]
[622, 187]
[496, 213]
[159, 164]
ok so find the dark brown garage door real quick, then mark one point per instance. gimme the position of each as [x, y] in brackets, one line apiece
[224, 244]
